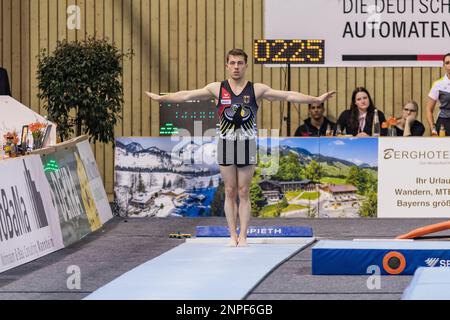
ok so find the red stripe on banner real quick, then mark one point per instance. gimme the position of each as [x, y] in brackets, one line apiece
[430, 57]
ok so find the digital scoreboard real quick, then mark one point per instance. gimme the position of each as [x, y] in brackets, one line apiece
[289, 51]
[176, 116]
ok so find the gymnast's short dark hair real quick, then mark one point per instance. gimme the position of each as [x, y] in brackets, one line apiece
[237, 52]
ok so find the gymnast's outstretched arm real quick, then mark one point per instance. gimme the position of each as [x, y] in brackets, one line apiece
[263, 91]
[208, 92]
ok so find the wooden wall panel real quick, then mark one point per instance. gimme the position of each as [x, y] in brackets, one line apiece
[180, 45]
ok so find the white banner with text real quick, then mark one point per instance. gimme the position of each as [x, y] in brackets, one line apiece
[365, 32]
[29, 225]
[414, 178]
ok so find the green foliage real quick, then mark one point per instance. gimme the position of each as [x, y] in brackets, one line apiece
[280, 206]
[294, 207]
[258, 173]
[333, 180]
[372, 182]
[369, 206]
[310, 195]
[290, 168]
[82, 79]
[290, 195]
[256, 198]
[275, 210]
[268, 211]
[360, 179]
[312, 212]
[284, 203]
[313, 171]
[366, 182]
[336, 170]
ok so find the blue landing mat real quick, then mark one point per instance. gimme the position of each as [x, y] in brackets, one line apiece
[392, 257]
[429, 284]
[199, 271]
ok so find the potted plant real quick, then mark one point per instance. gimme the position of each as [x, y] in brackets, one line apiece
[36, 129]
[80, 84]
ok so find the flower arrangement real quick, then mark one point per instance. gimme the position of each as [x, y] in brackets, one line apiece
[36, 129]
[390, 125]
[11, 137]
[12, 140]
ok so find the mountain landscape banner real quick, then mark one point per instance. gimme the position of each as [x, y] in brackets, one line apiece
[295, 177]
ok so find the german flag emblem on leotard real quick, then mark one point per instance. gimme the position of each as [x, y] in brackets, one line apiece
[235, 117]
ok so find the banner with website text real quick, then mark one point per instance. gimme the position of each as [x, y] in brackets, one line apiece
[414, 178]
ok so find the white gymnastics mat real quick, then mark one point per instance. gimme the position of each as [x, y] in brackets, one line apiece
[199, 271]
[429, 284]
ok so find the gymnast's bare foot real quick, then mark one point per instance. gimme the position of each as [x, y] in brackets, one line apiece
[242, 242]
[233, 243]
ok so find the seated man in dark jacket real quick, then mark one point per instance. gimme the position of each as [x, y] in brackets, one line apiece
[4, 83]
[316, 125]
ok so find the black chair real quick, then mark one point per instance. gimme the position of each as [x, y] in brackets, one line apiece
[5, 90]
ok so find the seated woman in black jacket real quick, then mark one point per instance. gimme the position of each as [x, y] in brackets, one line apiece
[407, 124]
[357, 121]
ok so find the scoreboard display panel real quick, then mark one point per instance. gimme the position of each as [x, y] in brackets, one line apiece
[289, 51]
[176, 116]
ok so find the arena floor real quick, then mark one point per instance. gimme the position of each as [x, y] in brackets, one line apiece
[124, 244]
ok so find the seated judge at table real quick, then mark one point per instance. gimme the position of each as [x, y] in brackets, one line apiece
[316, 125]
[4, 83]
[407, 124]
[357, 121]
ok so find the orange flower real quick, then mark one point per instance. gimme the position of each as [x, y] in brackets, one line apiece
[392, 121]
[36, 126]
